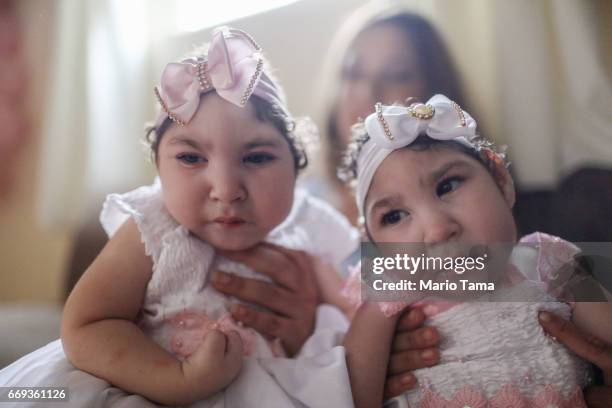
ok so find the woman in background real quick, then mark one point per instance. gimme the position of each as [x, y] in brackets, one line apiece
[385, 55]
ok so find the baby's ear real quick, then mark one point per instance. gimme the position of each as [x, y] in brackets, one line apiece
[506, 184]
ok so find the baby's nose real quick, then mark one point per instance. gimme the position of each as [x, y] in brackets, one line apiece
[440, 228]
[226, 185]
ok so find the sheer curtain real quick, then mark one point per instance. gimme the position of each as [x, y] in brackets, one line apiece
[99, 98]
[536, 76]
[555, 97]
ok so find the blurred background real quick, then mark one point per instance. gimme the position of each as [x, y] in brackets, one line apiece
[76, 80]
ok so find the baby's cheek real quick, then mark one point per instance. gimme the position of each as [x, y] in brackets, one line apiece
[497, 225]
[274, 205]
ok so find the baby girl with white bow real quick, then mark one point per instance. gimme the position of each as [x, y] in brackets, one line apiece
[423, 176]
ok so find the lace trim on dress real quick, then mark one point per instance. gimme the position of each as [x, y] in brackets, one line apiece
[506, 397]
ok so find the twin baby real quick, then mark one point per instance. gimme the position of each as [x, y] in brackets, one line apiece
[144, 326]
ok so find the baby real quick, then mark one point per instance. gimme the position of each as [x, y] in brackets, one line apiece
[423, 176]
[144, 316]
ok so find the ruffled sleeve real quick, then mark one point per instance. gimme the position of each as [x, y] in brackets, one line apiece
[327, 233]
[145, 205]
[549, 261]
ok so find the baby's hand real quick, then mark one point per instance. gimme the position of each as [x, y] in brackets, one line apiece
[214, 364]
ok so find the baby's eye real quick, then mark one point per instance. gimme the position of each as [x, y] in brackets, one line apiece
[393, 217]
[258, 158]
[190, 158]
[448, 185]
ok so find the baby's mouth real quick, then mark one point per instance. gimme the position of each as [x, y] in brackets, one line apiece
[446, 251]
[229, 221]
[479, 251]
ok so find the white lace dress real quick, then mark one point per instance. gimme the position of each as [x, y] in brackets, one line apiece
[494, 354]
[180, 305]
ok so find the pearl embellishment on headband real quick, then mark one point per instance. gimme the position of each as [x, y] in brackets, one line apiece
[421, 111]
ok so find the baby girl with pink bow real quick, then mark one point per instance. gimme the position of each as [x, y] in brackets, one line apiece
[144, 316]
[423, 177]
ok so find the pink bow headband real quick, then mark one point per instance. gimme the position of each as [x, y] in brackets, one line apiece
[233, 68]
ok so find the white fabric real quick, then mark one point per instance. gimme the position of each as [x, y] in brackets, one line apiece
[491, 344]
[98, 98]
[317, 377]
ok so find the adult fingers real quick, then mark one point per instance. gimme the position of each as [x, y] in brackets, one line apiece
[291, 332]
[270, 261]
[410, 319]
[304, 275]
[586, 346]
[268, 324]
[300, 258]
[403, 362]
[416, 339]
[598, 396]
[256, 291]
[399, 384]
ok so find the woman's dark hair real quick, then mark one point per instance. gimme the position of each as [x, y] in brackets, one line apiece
[438, 68]
[264, 112]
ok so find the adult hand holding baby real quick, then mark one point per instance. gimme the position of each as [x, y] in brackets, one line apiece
[291, 299]
[413, 347]
[587, 347]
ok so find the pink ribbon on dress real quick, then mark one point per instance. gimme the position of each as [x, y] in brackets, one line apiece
[232, 68]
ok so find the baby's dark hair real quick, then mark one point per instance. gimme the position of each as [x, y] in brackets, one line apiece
[348, 171]
[264, 112]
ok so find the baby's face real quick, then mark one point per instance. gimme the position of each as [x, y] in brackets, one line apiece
[438, 196]
[226, 176]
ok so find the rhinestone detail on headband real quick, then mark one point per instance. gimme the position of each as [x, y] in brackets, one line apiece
[249, 90]
[247, 36]
[171, 115]
[383, 122]
[421, 111]
[258, 68]
[460, 113]
[202, 76]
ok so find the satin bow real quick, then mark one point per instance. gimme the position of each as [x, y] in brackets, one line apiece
[392, 127]
[232, 69]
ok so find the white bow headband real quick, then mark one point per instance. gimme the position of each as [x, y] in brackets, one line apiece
[393, 127]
